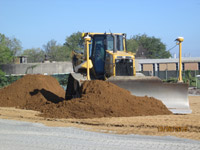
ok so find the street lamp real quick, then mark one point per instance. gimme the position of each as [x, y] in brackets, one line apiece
[180, 40]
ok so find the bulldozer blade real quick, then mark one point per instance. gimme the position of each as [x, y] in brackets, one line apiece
[173, 95]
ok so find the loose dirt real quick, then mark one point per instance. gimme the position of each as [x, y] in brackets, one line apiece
[27, 88]
[144, 125]
[99, 99]
[36, 90]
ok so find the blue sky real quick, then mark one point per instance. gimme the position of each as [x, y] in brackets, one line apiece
[35, 22]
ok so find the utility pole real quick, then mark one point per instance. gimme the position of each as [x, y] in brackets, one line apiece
[180, 40]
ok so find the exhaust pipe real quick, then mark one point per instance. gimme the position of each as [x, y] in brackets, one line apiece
[115, 44]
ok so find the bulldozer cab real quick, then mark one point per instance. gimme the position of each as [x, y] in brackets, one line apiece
[100, 44]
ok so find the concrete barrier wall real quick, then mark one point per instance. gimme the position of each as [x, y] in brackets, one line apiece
[38, 68]
[66, 67]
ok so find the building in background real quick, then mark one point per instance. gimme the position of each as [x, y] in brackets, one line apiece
[21, 60]
[157, 67]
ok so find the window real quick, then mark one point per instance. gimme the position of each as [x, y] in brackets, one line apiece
[199, 65]
[141, 67]
[110, 42]
[158, 67]
[176, 66]
[154, 69]
[119, 42]
[98, 54]
[183, 66]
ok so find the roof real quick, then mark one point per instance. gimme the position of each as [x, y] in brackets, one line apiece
[93, 33]
[168, 60]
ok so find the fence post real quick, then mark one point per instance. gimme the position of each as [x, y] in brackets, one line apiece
[196, 81]
[195, 74]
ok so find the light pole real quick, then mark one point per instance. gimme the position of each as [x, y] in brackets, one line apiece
[180, 40]
[87, 42]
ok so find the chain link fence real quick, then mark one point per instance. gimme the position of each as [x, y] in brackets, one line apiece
[189, 76]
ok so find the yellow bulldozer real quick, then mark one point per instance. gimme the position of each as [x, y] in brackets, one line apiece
[105, 58]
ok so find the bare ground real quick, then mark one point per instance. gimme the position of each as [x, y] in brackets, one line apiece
[144, 125]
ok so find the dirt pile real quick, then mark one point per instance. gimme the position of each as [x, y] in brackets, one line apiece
[99, 99]
[24, 90]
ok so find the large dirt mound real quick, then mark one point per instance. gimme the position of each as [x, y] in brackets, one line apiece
[99, 99]
[22, 91]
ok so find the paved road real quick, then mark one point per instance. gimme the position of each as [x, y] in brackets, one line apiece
[16, 135]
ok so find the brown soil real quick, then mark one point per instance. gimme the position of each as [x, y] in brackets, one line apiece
[27, 88]
[99, 99]
[145, 125]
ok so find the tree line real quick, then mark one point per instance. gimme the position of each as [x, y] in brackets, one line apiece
[10, 48]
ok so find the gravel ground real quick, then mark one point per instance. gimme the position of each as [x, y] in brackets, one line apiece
[22, 135]
[192, 91]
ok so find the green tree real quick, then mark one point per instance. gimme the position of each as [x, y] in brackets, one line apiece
[56, 52]
[9, 49]
[15, 46]
[3, 79]
[34, 55]
[6, 55]
[153, 46]
[63, 53]
[51, 49]
[132, 45]
[75, 41]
